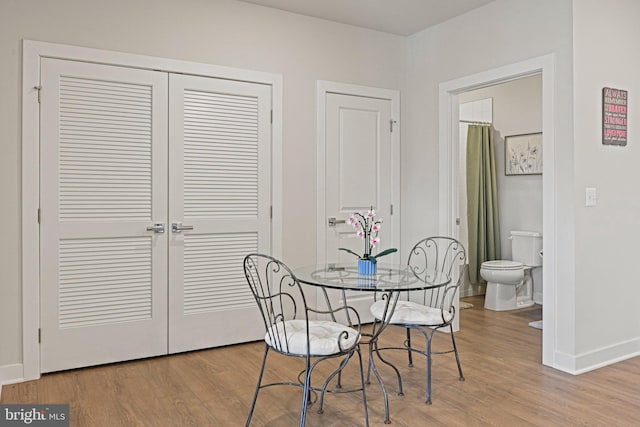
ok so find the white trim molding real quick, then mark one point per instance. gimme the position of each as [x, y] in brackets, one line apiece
[33, 52]
[595, 359]
[448, 133]
[10, 374]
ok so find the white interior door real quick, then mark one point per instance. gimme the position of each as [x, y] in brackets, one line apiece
[358, 176]
[103, 183]
[220, 155]
[153, 189]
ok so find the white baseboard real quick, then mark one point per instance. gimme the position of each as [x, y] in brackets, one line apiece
[10, 374]
[472, 290]
[598, 358]
[537, 297]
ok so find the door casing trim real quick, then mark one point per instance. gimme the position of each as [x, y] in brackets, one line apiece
[32, 52]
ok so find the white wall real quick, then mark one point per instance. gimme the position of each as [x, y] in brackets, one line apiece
[221, 32]
[502, 33]
[596, 314]
[607, 235]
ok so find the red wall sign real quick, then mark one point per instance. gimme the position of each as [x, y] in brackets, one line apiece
[614, 116]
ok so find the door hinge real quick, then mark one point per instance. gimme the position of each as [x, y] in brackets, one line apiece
[271, 117]
[392, 123]
[391, 210]
[457, 221]
[38, 215]
[270, 212]
[39, 89]
[39, 335]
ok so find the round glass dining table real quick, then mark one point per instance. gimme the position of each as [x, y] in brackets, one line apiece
[388, 283]
[388, 278]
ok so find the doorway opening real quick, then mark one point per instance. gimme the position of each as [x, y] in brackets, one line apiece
[449, 99]
[514, 109]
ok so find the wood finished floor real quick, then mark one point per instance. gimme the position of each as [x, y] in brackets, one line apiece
[506, 385]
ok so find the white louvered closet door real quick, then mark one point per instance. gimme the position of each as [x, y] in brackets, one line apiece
[103, 182]
[219, 193]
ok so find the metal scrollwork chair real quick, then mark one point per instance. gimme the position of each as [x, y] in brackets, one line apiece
[294, 329]
[431, 309]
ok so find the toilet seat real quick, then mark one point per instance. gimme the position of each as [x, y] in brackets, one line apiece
[502, 264]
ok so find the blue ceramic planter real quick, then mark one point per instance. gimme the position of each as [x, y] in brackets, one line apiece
[366, 266]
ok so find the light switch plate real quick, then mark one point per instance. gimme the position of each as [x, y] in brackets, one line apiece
[591, 198]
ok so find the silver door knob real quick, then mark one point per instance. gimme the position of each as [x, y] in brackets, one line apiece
[333, 221]
[158, 227]
[177, 227]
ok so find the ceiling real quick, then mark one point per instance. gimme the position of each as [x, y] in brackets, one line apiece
[402, 17]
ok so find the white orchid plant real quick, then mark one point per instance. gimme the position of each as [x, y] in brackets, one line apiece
[367, 228]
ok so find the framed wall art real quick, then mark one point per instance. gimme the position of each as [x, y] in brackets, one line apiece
[523, 154]
[614, 116]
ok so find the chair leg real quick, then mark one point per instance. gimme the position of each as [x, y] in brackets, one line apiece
[255, 395]
[455, 351]
[305, 394]
[338, 371]
[368, 380]
[409, 352]
[329, 378]
[428, 402]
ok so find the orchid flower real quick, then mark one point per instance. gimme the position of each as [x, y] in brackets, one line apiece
[367, 228]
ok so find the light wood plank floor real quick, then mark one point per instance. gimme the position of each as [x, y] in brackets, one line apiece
[506, 385]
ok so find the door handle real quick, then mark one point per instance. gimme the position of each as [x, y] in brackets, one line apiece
[158, 227]
[333, 221]
[177, 227]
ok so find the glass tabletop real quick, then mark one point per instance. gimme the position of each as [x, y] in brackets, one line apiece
[388, 277]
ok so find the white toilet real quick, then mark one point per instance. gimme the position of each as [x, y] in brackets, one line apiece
[509, 283]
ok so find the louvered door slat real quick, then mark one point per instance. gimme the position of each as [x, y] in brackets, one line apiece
[208, 262]
[228, 116]
[94, 114]
[222, 176]
[83, 104]
[104, 276]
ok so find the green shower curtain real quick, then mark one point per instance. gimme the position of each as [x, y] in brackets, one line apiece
[482, 200]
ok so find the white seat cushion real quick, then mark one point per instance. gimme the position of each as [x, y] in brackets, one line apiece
[323, 337]
[408, 312]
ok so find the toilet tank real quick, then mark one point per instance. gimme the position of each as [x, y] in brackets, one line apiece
[526, 247]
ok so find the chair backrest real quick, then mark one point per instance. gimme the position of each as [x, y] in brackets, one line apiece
[278, 294]
[435, 256]
[287, 316]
